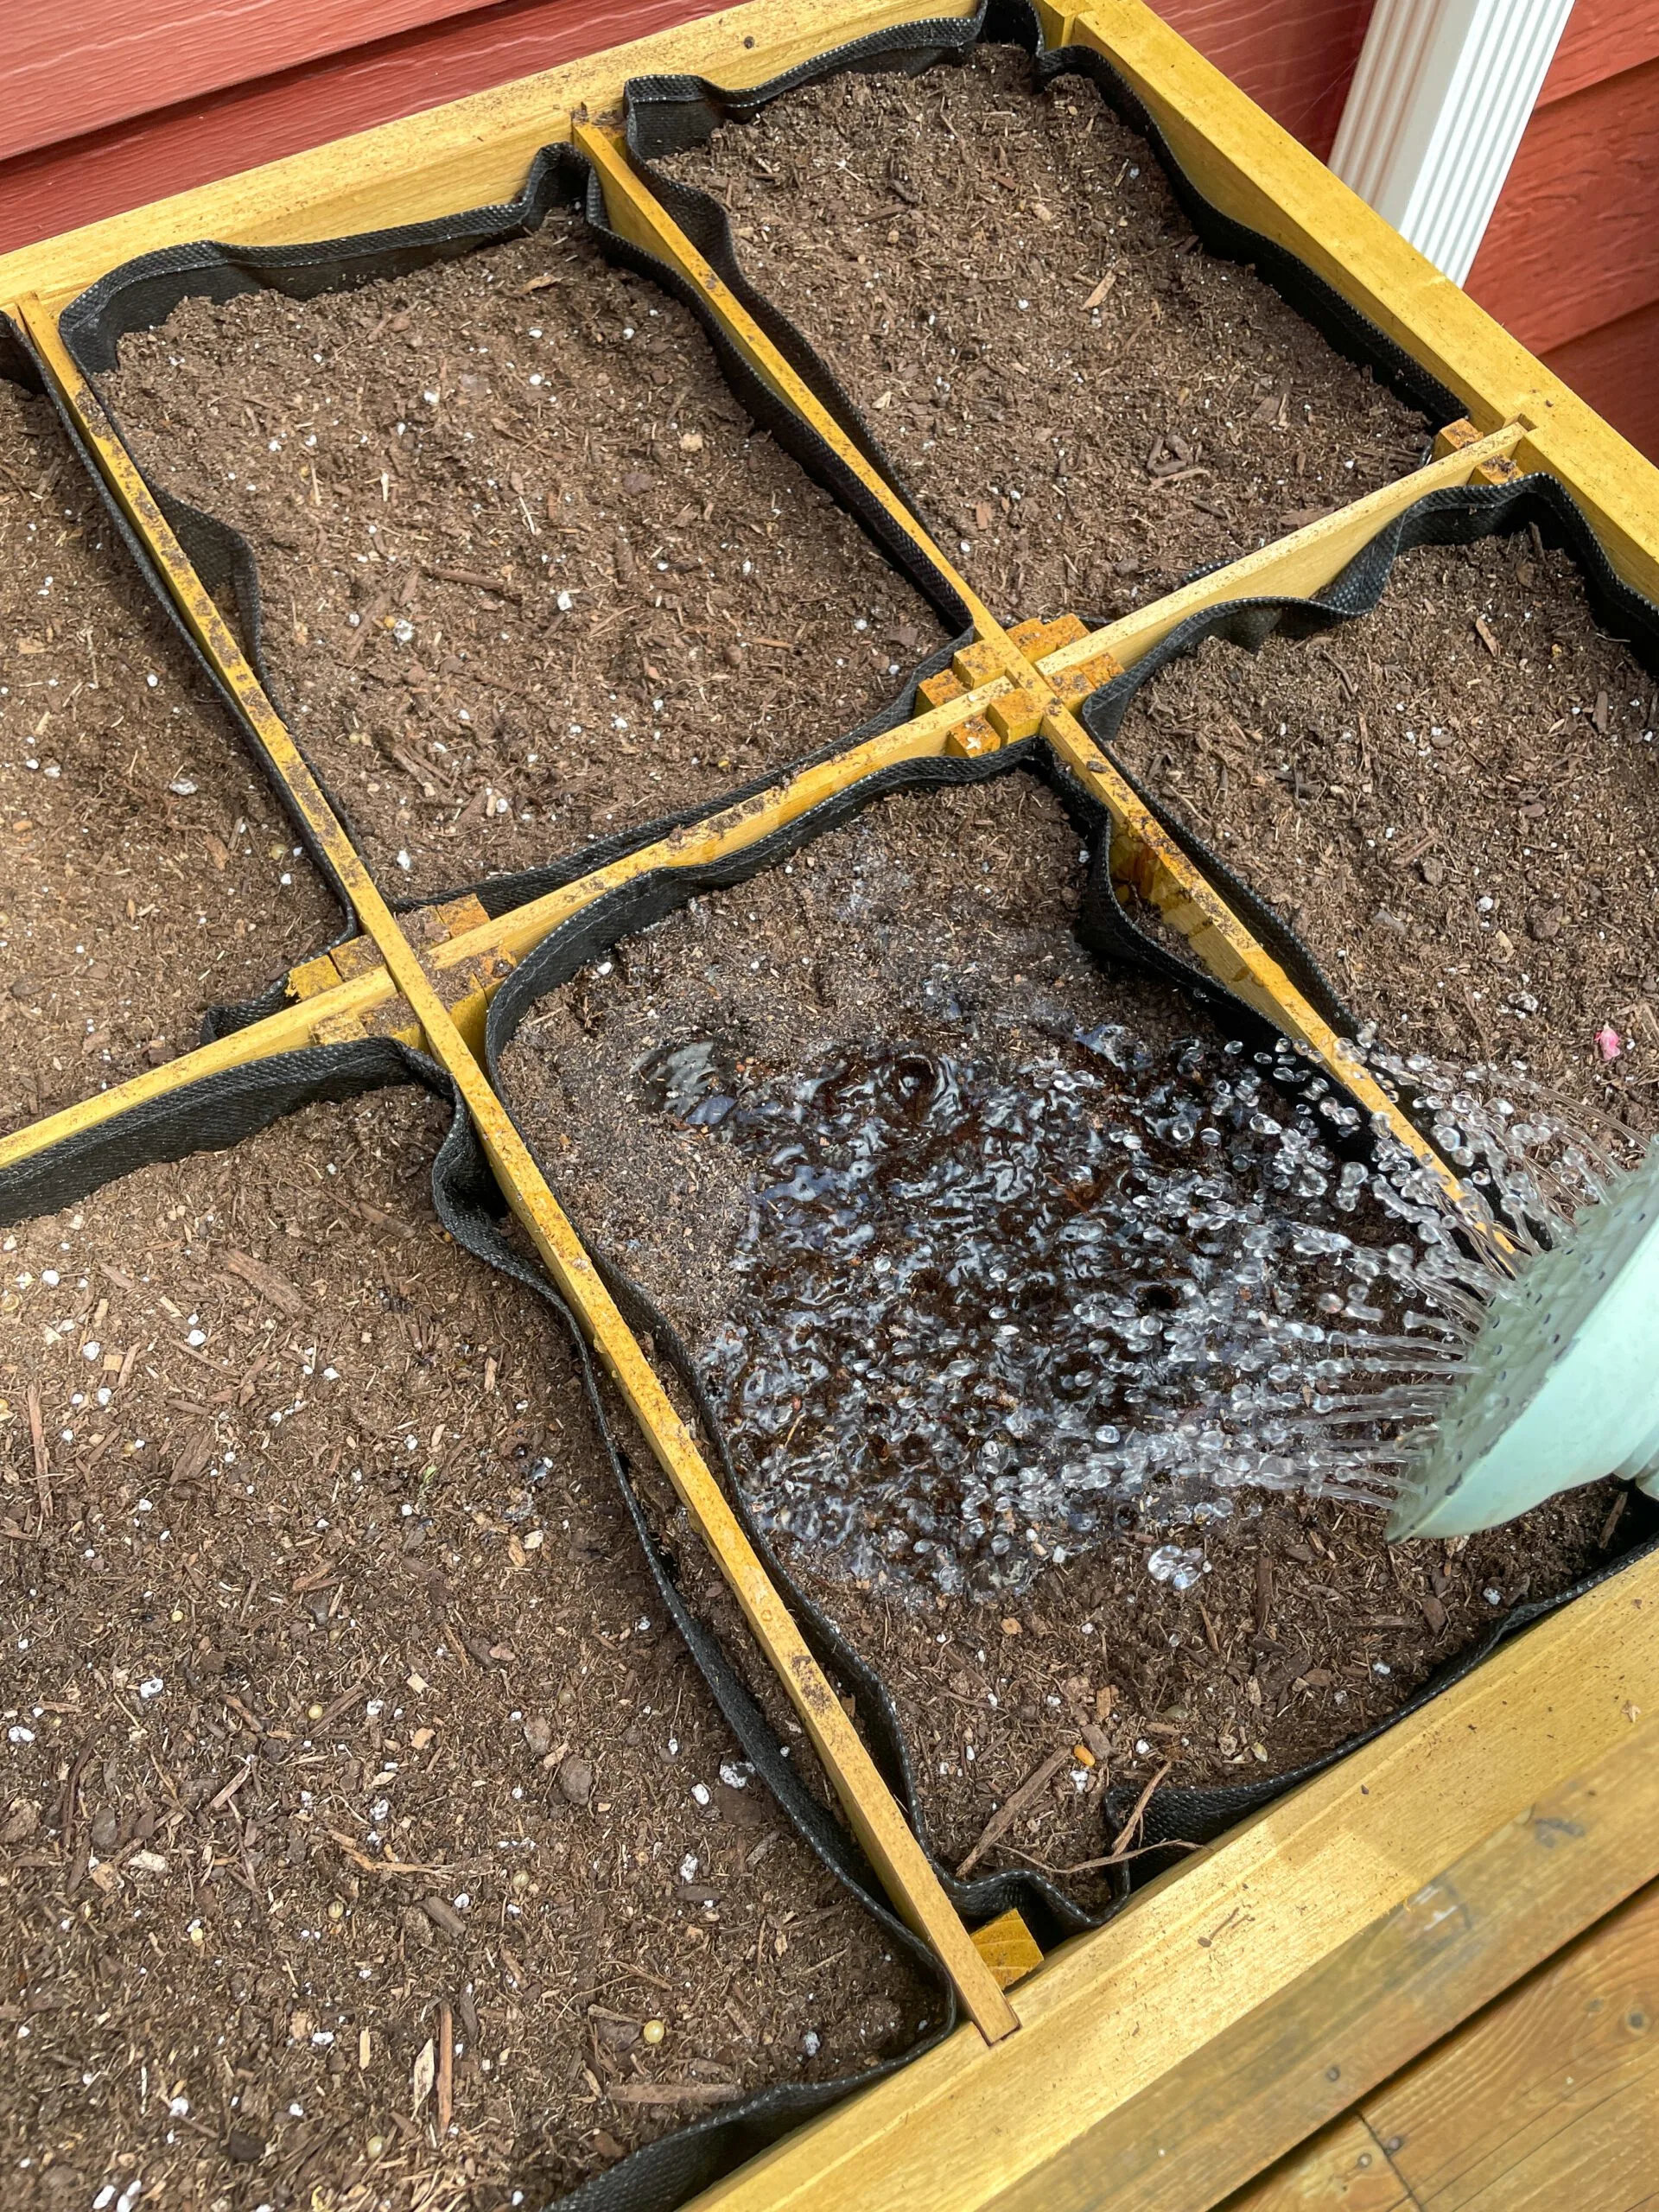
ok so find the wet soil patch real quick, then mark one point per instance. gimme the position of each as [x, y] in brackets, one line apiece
[530, 578]
[1228, 1647]
[1455, 802]
[334, 1586]
[1086, 405]
[146, 872]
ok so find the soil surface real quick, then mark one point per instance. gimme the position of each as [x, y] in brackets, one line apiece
[529, 576]
[1085, 405]
[339, 1697]
[1455, 802]
[146, 872]
[950, 917]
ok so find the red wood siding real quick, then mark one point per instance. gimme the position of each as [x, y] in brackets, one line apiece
[1571, 260]
[1574, 241]
[1296, 60]
[73, 69]
[1602, 38]
[58, 187]
[132, 102]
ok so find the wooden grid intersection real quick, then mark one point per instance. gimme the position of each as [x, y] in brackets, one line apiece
[427, 978]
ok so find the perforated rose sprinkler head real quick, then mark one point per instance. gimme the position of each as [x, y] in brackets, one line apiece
[1559, 1383]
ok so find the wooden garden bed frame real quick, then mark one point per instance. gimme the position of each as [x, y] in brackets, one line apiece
[1248, 1997]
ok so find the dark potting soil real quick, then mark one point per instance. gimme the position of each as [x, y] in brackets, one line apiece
[530, 578]
[932, 928]
[1085, 405]
[146, 871]
[1455, 802]
[339, 1696]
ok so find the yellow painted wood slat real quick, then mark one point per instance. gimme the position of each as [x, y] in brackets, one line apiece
[1477, 1792]
[1296, 567]
[341, 1008]
[876, 1819]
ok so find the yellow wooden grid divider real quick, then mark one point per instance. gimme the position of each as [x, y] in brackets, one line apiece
[876, 1816]
[1161, 870]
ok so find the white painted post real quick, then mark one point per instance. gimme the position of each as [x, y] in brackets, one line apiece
[1442, 94]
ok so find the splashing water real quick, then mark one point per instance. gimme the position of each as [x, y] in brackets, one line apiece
[988, 1310]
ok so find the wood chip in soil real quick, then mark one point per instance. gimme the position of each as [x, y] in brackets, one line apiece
[147, 871]
[934, 921]
[530, 577]
[339, 1697]
[1086, 405]
[1455, 802]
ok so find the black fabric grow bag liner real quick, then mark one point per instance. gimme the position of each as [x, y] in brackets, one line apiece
[666, 114]
[1111, 935]
[219, 1110]
[142, 292]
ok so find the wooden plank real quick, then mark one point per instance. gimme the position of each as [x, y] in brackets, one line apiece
[75, 70]
[1298, 566]
[1613, 369]
[1602, 37]
[1344, 2169]
[466, 154]
[65, 186]
[888, 1842]
[1110, 2015]
[1245, 163]
[1267, 2081]
[1573, 242]
[1552, 2097]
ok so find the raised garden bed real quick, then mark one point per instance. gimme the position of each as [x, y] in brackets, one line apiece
[1085, 404]
[1225, 1648]
[791, 1113]
[148, 871]
[531, 577]
[333, 1582]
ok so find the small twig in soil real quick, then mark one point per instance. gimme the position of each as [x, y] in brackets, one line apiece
[1011, 1808]
[42, 1464]
[475, 577]
[446, 2070]
[1131, 1828]
[1113, 1858]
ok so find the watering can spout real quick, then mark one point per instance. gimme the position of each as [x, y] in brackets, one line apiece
[1561, 1385]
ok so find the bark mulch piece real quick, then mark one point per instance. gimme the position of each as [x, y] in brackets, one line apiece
[530, 578]
[942, 924]
[335, 1584]
[1086, 405]
[146, 870]
[1455, 802]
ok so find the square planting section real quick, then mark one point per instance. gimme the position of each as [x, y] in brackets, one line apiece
[1086, 405]
[1454, 800]
[340, 1696]
[986, 1256]
[530, 577]
[146, 871]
